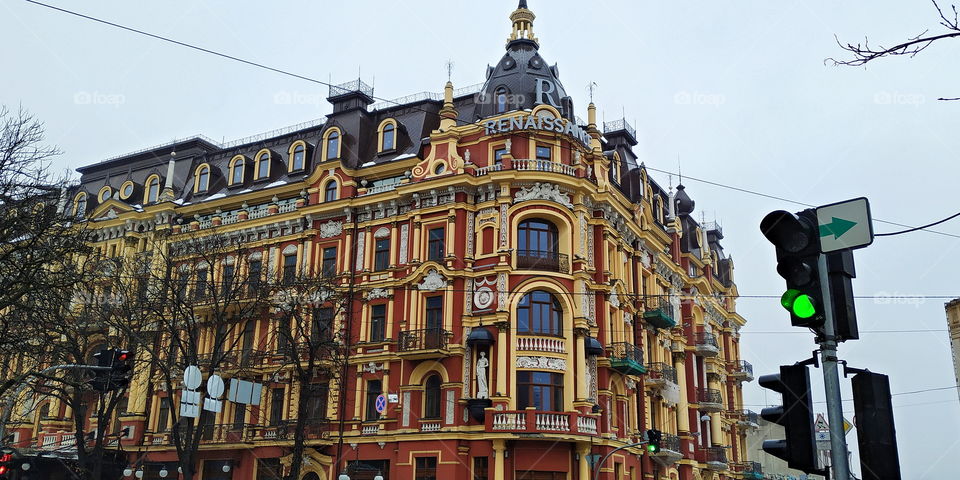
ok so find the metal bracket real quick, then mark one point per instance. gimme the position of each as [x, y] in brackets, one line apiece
[847, 370]
[814, 360]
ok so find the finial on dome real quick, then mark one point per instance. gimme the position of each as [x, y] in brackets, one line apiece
[522, 19]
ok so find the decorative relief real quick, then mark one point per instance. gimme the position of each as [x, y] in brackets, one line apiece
[467, 354]
[483, 297]
[468, 300]
[373, 367]
[592, 301]
[378, 293]
[628, 318]
[432, 282]
[382, 232]
[406, 409]
[592, 367]
[614, 299]
[404, 239]
[331, 229]
[503, 226]
[470, 234]
[583, 232]
[584, 303]
[501, 290]
[451, 401]
[631, 383]
[361, 247]
[543, 191]
[545, 363]
[590, 249]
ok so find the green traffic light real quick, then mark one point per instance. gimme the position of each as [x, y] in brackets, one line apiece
[798, 303]
[651, 448]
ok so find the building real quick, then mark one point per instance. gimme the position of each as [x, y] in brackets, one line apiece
[953, 326]
[770, 467]
[528, 299]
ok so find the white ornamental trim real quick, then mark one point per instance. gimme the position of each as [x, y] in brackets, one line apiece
[331, 229]
[543, 191]
[545, 363]
[432, 282]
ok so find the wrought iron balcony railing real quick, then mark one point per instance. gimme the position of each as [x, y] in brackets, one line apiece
[659, 313]
[543, 260]
[709, 397]
[715, 455]
[431, 339]
[626, 358]
[658, 371]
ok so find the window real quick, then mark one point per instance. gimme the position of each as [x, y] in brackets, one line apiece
[541, 390]
[368, 469]
[431, 397]
[329, 266]
[317, 401]
[426, 468]
[202, 179]
[330, 191]
[126, 190]
[267, 469]
[226, 282]
[480, 468]
[322, 325]
[239, 416]
[254, 272]
[543, 153]
[381, 254]
[388, 136]
[378, 323]
[538, 314]
[163, 415]
[498, 155]
[374, 389]
[289, 269]
[263, 166]
[80, 205]
[236, 170]
[203, 284]
[436, 239]
[247, 341]
[501, 100]
[283, 335]
[537, 245]
[276, 406]
[434, 317]
[333, 145]
[104, 194]
[153, 189]
[298, 157]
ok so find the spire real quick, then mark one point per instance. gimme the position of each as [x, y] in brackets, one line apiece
[522, 19]
[167, 195]
[448, 114]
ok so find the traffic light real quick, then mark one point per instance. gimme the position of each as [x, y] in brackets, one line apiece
[6, 465]
[875, 431]
[841, 271]
[654, 437]
[101, 378]
[799, 448]
[797, 241]
[122, 367]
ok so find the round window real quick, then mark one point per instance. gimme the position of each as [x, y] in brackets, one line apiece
[439, 169]
[127, 190]
[104, 195]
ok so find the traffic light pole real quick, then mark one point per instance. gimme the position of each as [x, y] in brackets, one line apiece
[831, 381]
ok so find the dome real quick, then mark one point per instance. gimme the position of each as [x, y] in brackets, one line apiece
[480, 337]
[685, 204]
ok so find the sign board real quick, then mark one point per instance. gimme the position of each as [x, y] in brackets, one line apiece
[381, 403]
[393, 398]
[242, 391]
[847, 426]
[821, 429]
[845, 225]
[191, 377]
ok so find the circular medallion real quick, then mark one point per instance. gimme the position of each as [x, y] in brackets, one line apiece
[483, 297]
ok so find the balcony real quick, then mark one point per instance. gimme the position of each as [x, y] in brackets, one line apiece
[627, 358]
[658, 374]
[742, 371]
[748, 419]
[709, 399]
[669, 450]
[543, 260]
[705, 344]
[526, 165]
[425, 343]
[659, 313]
[714, 457]
[541, 344]
[532, 421]
[749, 470]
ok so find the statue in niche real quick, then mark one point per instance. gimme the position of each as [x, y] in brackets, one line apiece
[482, 364]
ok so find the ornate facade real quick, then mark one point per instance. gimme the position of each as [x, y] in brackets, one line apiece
[527, 298]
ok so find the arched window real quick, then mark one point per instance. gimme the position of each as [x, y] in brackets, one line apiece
[332, 145]
[202, 177]
[501, 100]
[236, 170]
[263, 165]
[431, 397]
[153, 189]
[388, 135]
[539, 314]
[330, 191]
[537, 245]
[80, 205]
[298, 157]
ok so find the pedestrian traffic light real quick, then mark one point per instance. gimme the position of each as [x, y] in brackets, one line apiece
[654, 437]
[795, 414]
[797, 241]
[876, 434]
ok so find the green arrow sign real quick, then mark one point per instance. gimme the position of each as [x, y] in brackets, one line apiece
[837, 227]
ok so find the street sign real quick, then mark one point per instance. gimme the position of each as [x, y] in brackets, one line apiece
[845, 225]
[381, 403]
[847, 426]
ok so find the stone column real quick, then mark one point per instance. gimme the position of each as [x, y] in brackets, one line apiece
[579, 348]
[683, 408]
[502, 353]
[499, 449]
[584, 464]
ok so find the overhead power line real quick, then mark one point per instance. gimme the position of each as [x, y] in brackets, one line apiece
[313, 80]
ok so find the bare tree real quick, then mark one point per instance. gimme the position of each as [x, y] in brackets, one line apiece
[862, 53]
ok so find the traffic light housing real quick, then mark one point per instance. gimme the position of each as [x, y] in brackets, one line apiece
[654, 438]
[116, 367]
[799, 448]
[797, 241]
[6, 465]
[876, 433]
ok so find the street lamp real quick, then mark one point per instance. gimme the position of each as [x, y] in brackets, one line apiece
[343, 476]
[163, 472]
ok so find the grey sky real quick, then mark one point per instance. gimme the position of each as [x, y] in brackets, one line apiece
[737, 90]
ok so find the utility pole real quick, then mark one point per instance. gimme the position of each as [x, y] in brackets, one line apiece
[831, 381]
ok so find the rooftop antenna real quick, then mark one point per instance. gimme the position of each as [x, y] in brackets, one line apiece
[449, 66]
[592, 88]
[679, 172]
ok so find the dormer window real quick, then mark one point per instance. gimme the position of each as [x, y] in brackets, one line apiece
[153, 189]
[262, 169]
[80, 205]
[236, 169]
[202, 177]
[331, 144]
[501, 98]
[298, 157]
[388, 135]
[126, 190]
[104, 194]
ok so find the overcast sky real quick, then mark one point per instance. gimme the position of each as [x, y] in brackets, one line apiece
[733, 92]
